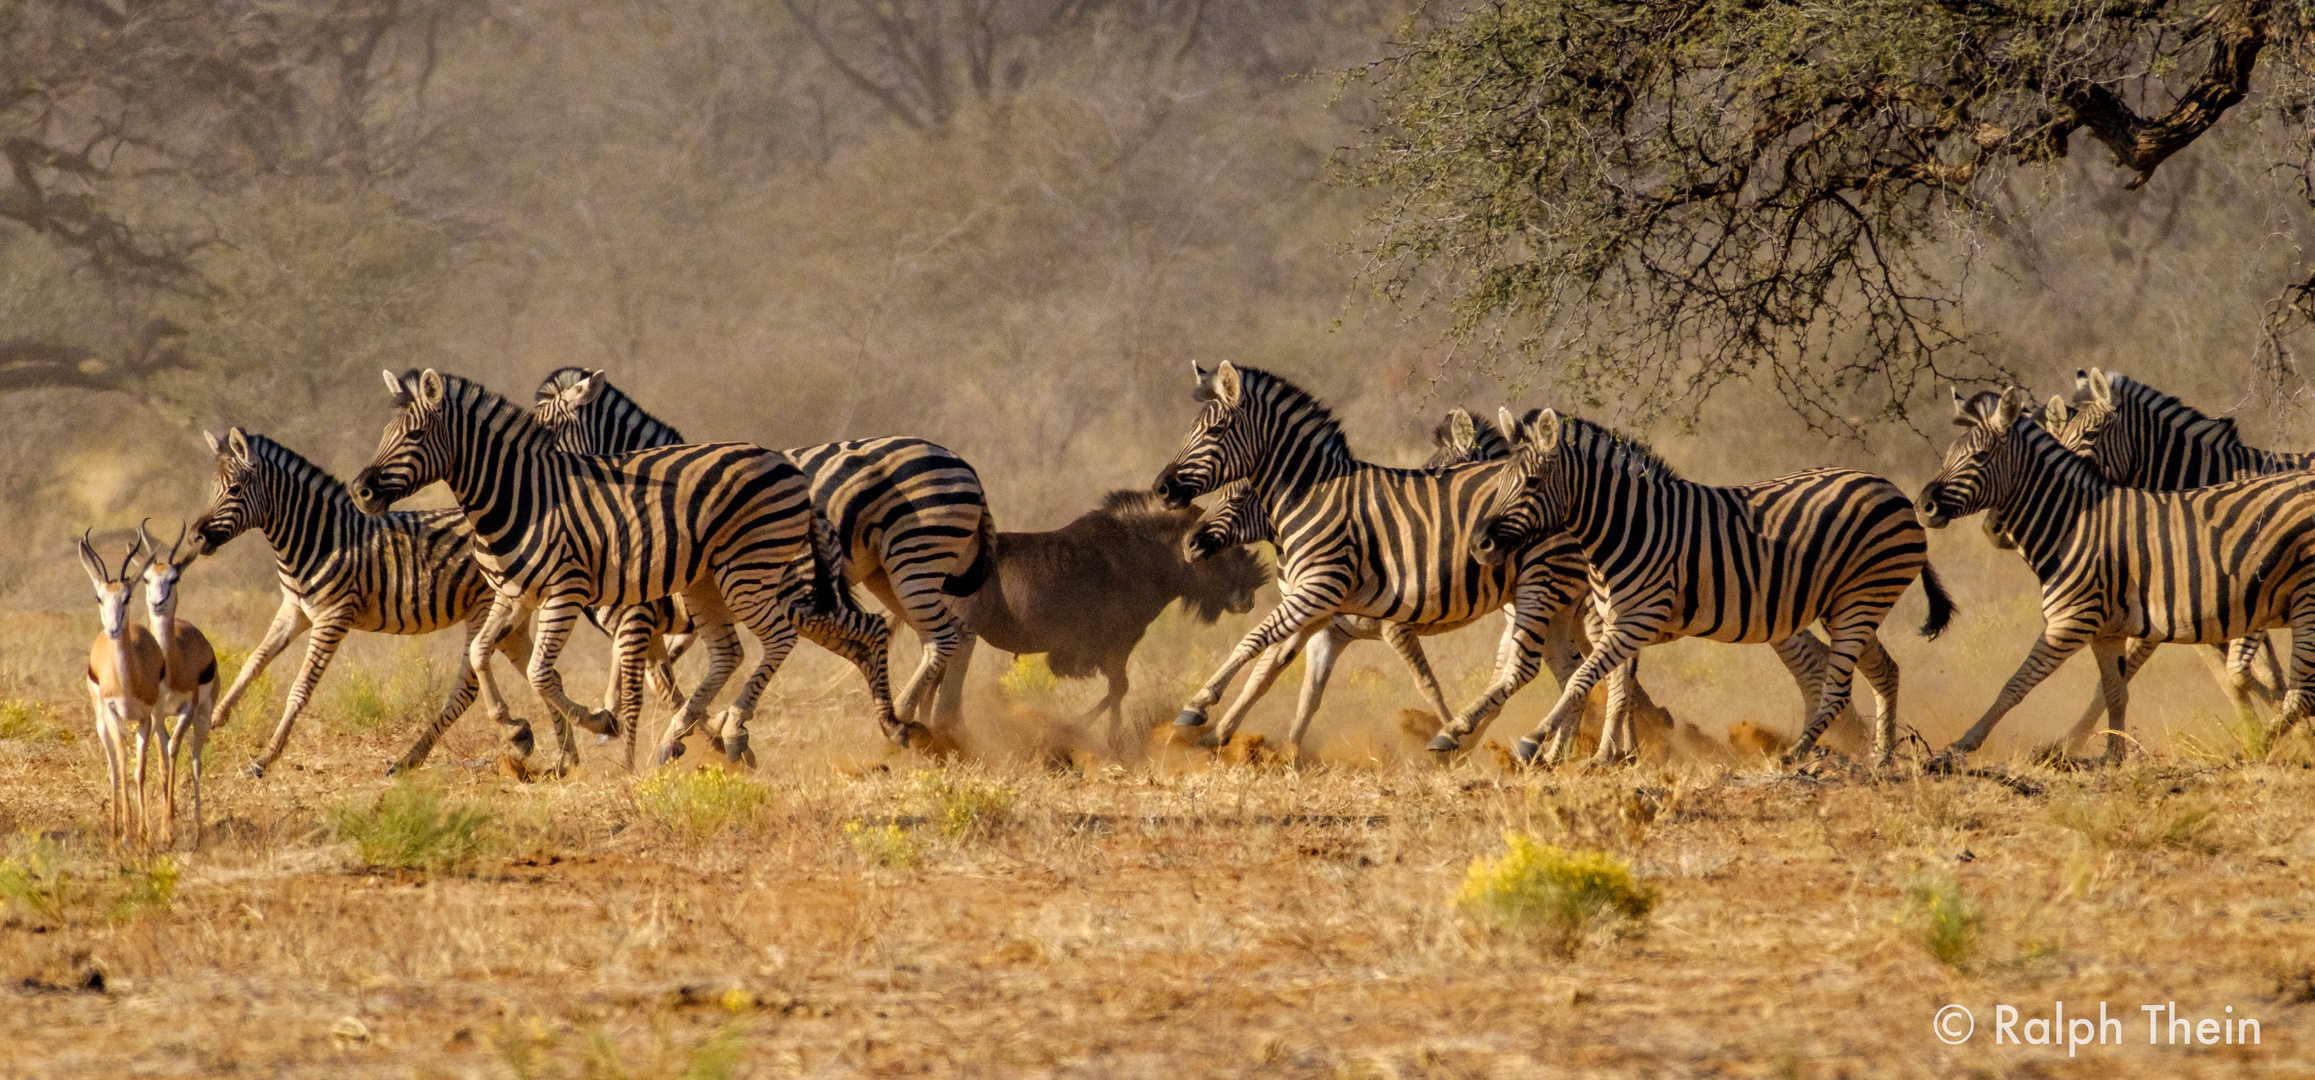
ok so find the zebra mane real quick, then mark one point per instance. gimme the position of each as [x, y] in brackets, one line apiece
[1325, 430]
[294, 465]
[1625, 451]
[471, 392]
[2169, 412]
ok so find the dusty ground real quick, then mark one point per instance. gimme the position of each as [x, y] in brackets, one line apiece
[1170, 918]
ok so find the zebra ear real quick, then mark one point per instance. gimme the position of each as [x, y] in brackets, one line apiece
[2101, 388]
[1462, 431]
[237, 441]
[2013, 404]
[431, 388]
[1960, 408]
[2081, 385]
[215, 447]
[583, 393]
[2056, 411]
[393, 383]
[1227, 385]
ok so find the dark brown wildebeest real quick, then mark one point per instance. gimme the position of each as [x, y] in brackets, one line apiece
[1084, 593]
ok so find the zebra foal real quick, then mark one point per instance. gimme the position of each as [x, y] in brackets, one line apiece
[407, 572]
[2208, 565]
[726, 526]
[1671, 558]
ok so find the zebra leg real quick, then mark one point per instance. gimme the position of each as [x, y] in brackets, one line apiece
[723, 657]
[938, 630]
[319, 648]
[2077, 738]
[1852, 633]
[470, 679]
[1619, 644]
[1803, 656]
[2049, 651]
[1294, 616]
[2234, 665]
[1517, 657]
[555, 618]
[515, 645]
[288, 622]
[1273, 663]
[1407, 641]
[1325, 648]
[2299, 698]
[1619, 744]
[949, 707]
[866, 640]
[632, 651]
[1880, 671]
[2114, 681]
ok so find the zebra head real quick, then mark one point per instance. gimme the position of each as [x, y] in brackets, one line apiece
[414, 451]
[1235, 521]
[2061, 421]
[590, 416]
[2112, 432]
[1220, 447]
[1534, 496]
[1462, 438]
[237, 501]
[1978, 466]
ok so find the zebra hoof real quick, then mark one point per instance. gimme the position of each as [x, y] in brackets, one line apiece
[735, 751]
[1191, 718]
[1212, 741]
[666, 754]
[1525, 753]
[255, 771]
[601, 723]
[522, 742]
[1444, 744]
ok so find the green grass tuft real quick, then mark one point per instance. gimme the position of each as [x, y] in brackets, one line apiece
[888, 845]
[408, 827]
[699, 802]
[1944, 920]
[958, 807]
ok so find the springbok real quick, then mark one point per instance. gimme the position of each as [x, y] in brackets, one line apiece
[189, 679]
[124, 680]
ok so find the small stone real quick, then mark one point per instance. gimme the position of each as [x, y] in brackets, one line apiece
[350, 1030]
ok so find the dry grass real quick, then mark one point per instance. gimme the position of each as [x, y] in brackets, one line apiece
[1060, 902]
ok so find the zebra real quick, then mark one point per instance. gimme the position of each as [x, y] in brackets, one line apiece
[917, 527]
[407, 572]
[1671, 558]
[727, 526]
[2207, 565]
[1355, 538]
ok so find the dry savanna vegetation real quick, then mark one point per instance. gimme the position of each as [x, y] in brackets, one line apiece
[1002, 226]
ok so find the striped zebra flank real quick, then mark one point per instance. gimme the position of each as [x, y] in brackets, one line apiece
[2207, 565]
[1355, 538]
[1671, 558]
[728, 527]
[912, 514]
[405, 572]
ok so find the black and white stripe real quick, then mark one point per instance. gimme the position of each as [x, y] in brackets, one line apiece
[912, 514]
[2207, 565]
[1758, 563]
[727, 526]
[407, 572]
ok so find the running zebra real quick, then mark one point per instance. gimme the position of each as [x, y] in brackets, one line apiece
[912, 513]
[1355, 538]
[408, 572]
[1671, 558]
[2207, 565]
[726, 526]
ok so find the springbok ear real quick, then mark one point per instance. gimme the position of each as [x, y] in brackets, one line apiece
[1227, 385]
[237, 441]
[430, 388]
[580, 394]
[2101, 388]
[1462, 431]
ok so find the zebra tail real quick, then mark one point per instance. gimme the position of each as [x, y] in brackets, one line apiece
[976, 575]
[831, 558]
[1940, 604]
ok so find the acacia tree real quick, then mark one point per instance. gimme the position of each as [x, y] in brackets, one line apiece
[1664, 194]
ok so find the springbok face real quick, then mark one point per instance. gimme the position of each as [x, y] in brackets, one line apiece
[413, 452]
[113, 590]
[163, 571]
[1218, 449]
[1534, 497]
[236, 501]
[1965, 484]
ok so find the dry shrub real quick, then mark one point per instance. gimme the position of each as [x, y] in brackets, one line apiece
[407, 827]
[41, 880]
[32, 721]
[889, 845]
[2137, 814]
[1943, 920]
[1554, 895]
[959, 807]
